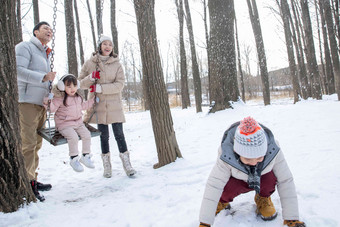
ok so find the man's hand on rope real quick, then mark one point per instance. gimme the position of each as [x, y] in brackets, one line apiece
[94, 75]
[49, 97]
[96, 88]
[49, 76]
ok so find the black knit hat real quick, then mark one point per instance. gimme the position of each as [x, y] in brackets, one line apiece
[37, 26]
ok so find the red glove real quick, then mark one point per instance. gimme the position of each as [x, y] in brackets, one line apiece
[96, 75]
[96, 88]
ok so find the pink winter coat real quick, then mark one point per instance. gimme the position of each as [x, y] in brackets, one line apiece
[70, 115]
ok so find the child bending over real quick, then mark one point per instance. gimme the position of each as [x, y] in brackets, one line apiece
[250, 159]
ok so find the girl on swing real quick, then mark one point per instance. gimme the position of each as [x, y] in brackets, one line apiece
[68, 105]
[104, 76]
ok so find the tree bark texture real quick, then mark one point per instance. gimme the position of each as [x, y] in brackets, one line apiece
[333, 46]
[92, 25]
[18, 27]
[305, 85]
[239, 63]
[194, 63]
[36, 11]
[310, 51]
[15, 189]
[261, 54]
[330, 84]
[80, 42]
[290, 49]
[165, 138]
[324, 89]
[70, 38]
[206, 31]
[114, 30]
[223, 74]
[99, 15]
[183, 60]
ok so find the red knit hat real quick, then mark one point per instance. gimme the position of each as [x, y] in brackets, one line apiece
[250, 140]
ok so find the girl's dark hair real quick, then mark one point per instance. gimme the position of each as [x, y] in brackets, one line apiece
[67, 81]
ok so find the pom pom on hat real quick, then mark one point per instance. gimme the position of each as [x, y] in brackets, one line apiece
[104, 38]
[250, 140]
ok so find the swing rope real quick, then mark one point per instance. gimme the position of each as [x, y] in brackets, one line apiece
[97, 65]
[53, 136]
[51, 64]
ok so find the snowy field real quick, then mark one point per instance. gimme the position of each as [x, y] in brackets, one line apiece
[308, 132]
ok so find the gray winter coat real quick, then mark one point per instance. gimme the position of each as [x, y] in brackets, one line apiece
[227, 166]
[32, 65]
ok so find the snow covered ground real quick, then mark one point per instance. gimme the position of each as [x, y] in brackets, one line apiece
[308, 132]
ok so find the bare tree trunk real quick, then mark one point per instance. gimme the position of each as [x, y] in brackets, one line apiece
[290, 50]
[246, 53]
[310, 51]
[14, 183]
[176, 73]
[18, 34]
[183, 60]
[255, 22]
[330, 84]
[92, 26]
[239, 64]
[70, 38]
[333, 46]
[36, 11]
[205, 18]
[336, 13]
[223, 72]
[81, 50]
[323, 78]
[194, 64]
[165, 138]
[305, 86]
[297, 51]
[99, 15]
[114, 30]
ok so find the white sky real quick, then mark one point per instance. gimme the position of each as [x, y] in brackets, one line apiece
[167, 29]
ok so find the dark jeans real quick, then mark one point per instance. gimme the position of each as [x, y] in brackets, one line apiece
[119, 136]
[235, 187]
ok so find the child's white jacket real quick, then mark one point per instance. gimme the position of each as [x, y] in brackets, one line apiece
[222, 171]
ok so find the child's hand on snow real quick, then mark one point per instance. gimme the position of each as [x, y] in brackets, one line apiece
[294, 223]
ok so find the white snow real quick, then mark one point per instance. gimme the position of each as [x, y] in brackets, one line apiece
[308, 133]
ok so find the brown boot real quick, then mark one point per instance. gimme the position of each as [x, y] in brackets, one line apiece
[222, 206]
[265, 207]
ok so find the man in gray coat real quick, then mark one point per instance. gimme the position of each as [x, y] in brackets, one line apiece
[33, 68]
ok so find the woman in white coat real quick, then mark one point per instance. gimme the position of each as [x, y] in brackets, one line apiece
[104, 76]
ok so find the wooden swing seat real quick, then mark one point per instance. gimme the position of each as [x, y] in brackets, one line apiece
[55, 138]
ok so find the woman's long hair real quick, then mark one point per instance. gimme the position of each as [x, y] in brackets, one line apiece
[67, 81]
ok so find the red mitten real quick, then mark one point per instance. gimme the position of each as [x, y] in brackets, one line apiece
[96, 88]
[93, 88]
[96, 75]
